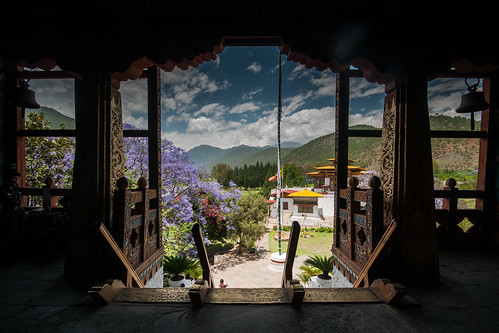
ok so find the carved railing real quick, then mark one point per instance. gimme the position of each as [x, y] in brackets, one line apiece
[136, 227]
[358, 227]
[53, 192]
[450, 234]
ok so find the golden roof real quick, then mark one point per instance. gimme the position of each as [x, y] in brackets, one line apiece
[306, 193]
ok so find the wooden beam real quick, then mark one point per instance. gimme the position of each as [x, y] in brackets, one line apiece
[391, 293]
[105, 292]
[38, 191]
[202, 254]
[252, 41]
[458, 134]
[114, 249]
[364, 133]
[47, 133]
[291, 252]
[197, 292]
[293, 287]
[135, 133]
[363, 278]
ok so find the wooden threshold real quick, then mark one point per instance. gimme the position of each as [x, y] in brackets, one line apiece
[248, 295]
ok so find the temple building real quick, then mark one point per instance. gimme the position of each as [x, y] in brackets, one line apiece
[324, 176]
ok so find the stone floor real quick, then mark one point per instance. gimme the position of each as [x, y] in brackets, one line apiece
[35, 298]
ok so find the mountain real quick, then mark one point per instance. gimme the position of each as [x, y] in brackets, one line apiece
[206, 154]
[236, 154]
[448, 154]
[55, 118]
[268, 154]
[209, 156]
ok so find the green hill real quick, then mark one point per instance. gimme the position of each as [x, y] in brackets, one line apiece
[55, 118]
[266, 155]
[448, 154]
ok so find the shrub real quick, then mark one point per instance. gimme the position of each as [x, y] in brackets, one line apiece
[323, 262]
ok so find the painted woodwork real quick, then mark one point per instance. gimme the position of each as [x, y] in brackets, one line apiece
[361, 227]
[135, 228]
[450, 235]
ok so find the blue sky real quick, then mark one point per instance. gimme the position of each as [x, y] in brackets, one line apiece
[233, 100]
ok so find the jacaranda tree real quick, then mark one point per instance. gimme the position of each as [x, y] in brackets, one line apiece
[47, 156]
[188, 195]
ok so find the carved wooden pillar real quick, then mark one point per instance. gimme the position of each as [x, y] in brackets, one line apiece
[98, 164]
[407, 180]
[341, 148]
[154, 140]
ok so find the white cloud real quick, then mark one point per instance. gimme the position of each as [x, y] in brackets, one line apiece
[308, 124]
[244, 107]
[55, 93]
[183, 86]
[291, 104]
[373, 118]
[444, 95]
[439, 86]
[302, 126]
[134, 101]
[213, 109]
[298, 72]
[362, 88]
[326, 84]
[204, 125]
[444, 103]
[254, 67]
[139, 122]
[252, 93]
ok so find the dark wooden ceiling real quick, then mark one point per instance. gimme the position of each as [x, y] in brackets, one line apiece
[380, 37]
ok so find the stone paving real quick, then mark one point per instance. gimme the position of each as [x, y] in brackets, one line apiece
[248, 271]
[253, 272]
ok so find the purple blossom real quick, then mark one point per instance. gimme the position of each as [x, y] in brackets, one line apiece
[188, 195]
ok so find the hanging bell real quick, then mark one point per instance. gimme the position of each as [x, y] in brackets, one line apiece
[24, 97]
[472, 102]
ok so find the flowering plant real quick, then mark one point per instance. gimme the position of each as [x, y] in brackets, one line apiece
[188, 195]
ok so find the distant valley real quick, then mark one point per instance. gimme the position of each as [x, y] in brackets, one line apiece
[448, 154]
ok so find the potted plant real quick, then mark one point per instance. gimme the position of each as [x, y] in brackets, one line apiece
[325, 264]
[175, 265]
[307, 273]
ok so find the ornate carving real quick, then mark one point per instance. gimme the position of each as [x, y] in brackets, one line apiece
[388, 157]
[116, 135]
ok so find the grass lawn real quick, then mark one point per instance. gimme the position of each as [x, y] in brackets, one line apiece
[320, 242]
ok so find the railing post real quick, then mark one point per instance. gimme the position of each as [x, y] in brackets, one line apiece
[353, 207]
[121, 214]
[144, 210]
[202, 254]
[291, 252]
[293, 287]
[374, 210]
[450, 205]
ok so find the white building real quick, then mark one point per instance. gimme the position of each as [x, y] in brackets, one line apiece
[302, 204]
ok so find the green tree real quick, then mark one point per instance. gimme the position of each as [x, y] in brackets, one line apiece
[221, 174]
[248, 221]
[47, 156]
[268, 185]
[292, 176]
